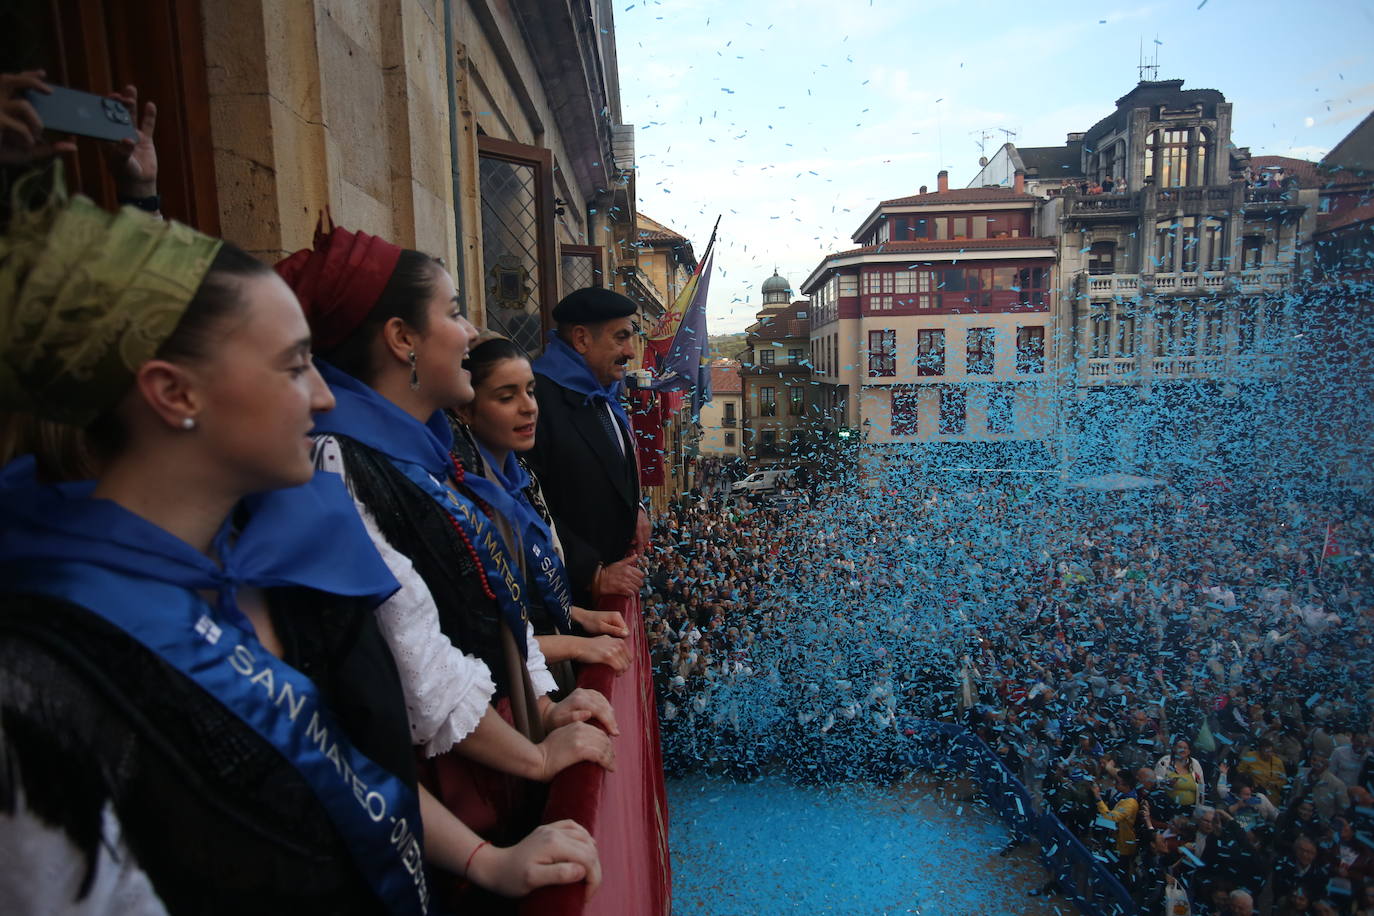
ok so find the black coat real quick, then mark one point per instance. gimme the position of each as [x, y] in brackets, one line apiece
[591, 488]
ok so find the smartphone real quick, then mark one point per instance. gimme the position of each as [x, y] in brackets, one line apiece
[70, 111]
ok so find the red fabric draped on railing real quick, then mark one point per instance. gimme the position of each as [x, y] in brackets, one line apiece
[626, 811]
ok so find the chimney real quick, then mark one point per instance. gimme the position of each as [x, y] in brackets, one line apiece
[923, 189]
[943, 178]
[1018, 182]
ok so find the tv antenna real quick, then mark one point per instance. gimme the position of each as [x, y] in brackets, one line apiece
[987, 133]
[1149, 65]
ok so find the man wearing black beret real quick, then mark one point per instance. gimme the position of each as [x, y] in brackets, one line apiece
[584, 451]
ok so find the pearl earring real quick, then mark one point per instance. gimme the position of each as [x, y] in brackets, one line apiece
[188, 423]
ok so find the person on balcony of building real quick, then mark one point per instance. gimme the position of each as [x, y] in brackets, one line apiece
[584, 449]
[392, 337]
[1108, 184]
[166, 627]
[500, 422]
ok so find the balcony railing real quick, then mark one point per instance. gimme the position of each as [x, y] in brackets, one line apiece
[1131, 285]
[621, 810]
[1116, 284]
[1259, 279]
[774, 369]
[1188, 365]
[1255, 365]
[1100, 204]
[1115, 205]
[1116, 367]
[1271, 198]
[727, 421]
[1211, 195]
[1127, 369]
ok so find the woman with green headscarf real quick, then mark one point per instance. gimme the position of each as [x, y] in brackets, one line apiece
[197, 713]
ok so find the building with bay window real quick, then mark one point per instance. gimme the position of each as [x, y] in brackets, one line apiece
[938, 328]
[1179, 257]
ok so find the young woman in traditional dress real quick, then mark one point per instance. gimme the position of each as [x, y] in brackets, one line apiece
[197, 712]
[501, 422]
[391, 337]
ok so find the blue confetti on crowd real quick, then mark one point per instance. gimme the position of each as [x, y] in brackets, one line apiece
[1207, 580]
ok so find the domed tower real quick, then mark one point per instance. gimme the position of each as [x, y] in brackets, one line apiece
[777, 292]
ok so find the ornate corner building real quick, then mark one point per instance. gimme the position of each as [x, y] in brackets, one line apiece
[775, 377]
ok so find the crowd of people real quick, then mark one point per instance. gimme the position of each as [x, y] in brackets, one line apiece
[1183, 676]
[296, 569]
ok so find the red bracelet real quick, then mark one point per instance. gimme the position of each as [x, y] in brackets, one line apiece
[468, 865]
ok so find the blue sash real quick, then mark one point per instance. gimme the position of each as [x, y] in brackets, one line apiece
[501, 571]
[542, 563]
[377, 815]
[550, 577]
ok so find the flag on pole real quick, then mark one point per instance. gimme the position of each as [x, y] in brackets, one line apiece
[679, 343]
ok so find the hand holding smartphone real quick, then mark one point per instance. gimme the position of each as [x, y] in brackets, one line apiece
[85, 114]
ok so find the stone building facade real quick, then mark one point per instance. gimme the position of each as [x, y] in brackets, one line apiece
[721, 436]
[939, 327]
[665, 262]
[775, 375]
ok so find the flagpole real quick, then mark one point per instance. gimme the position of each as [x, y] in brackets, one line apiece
[710, 243]
[1326, 543]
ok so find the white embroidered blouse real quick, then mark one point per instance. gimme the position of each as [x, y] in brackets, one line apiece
[446, 690]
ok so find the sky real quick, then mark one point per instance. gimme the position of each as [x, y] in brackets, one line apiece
[792, 119]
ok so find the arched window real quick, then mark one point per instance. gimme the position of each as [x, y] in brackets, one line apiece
[1166, 157]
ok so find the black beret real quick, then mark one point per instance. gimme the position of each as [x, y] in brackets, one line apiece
[592, 305]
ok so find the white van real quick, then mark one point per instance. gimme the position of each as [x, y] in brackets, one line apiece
[764, 481]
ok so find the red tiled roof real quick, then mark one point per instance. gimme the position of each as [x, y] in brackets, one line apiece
[934, 245]
[1311, 174]
[961, 196]
[1308, 174]
[725, 381]
[784, 324]
[665, 236]
[1332, 222]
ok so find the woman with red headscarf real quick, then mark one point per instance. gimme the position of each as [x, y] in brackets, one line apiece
[391, 337]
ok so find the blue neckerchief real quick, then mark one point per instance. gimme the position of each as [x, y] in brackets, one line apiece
[422, 452]
[542, 562]
[562, 364]
[61, 542]
[278, 545]
[361, 414]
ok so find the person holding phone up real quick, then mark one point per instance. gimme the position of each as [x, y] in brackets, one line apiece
[23, 138]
